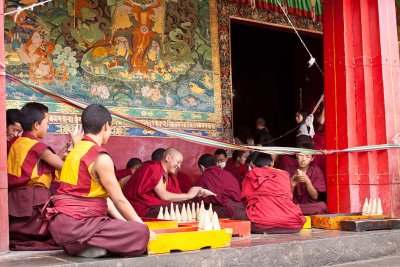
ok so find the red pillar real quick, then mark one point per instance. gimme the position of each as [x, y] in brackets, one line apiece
[3, 152]
[362, 96]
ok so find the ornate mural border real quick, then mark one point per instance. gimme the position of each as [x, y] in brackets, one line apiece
[227, 11]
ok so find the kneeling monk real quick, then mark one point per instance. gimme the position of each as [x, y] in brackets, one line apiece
[269, 199]
[77, 215]
[154, 185]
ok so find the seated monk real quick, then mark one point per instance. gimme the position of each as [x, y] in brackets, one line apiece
[269, 200]
[154, 185]
[77, 216]
[307, 183]
[184, 181]
[237, 165]
[30, 167]
[14, 128]
[227, 202]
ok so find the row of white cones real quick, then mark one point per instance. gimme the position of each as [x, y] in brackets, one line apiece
[372, 207]
[208, 219]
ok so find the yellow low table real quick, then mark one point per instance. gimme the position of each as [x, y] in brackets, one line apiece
[307, 224]
[187, 239]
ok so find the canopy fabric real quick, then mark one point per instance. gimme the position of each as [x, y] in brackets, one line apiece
[311, 9]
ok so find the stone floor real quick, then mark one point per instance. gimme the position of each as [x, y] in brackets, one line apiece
[311, 247]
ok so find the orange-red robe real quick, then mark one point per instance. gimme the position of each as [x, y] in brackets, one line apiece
[270, 206]
[77, 215]
[29, 179]
[140, 188]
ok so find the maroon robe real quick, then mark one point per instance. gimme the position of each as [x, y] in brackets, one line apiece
[308, 205]
[184, 182]
[227, 188]
[122, 173]
[269, 201]
[76, 223]
[231, 167]
[25, 201]
[140, 188]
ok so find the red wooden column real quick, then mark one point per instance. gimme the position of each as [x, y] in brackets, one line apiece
[3, 150]
[362, 98]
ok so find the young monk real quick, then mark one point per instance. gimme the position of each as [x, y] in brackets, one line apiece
[77, 215]
[227, 203]
[30, 168]
[307, 182]
[133, 164]
[154, 185]
[269, 200]
[14, 127]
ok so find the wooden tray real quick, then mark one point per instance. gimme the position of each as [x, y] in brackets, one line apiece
[187, 239]
[332, 221]
[153, 223]
[239, 228]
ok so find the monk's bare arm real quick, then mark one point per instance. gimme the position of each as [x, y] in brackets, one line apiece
[52, 159]
[104, 170]
[311, 190]
[113, 212]
[164, 195]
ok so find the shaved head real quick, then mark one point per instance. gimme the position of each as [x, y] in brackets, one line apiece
[171, 151]
[172, 159]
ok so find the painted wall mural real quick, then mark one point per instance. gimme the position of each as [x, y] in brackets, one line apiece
[154, 60]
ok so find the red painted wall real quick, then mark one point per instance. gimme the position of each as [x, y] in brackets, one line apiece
[122, 149]
[3, 151]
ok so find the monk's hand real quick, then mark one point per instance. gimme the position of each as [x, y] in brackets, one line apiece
[153, 235]
[76, 135]
[302, 177]
[194, 191]
[206, 193]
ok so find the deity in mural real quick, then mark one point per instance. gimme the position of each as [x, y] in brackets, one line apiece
[35, 53]
[86, 29]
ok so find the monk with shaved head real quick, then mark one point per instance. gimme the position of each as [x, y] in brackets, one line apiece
[154, 185]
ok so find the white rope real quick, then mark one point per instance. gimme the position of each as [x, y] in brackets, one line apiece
[312, 60]
[20, 9]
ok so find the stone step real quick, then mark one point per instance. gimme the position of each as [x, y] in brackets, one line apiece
[310, 247]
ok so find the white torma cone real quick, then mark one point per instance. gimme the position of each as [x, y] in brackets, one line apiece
[194, 215]
[210, 211]
[369, 206]
[200, 219]
[365, 206]
[373, 210]
[173, 216]
[197, 210]
[207, 226]
[202, 204]
[184, 213]
[160, 214]
[178, 214]
[166, 214]
[201, 215]
[379, 208]
[215, 224]
[189, 213]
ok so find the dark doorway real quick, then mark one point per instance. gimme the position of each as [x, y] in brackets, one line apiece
[269, 66]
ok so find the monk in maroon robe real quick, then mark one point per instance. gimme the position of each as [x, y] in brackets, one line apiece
[269, 200]
[307, 183]
[227, 203]
[30, 168]
[82, 218]
[155, 185]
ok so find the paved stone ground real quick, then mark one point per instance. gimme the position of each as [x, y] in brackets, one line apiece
[390, 261]
[308, 248]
